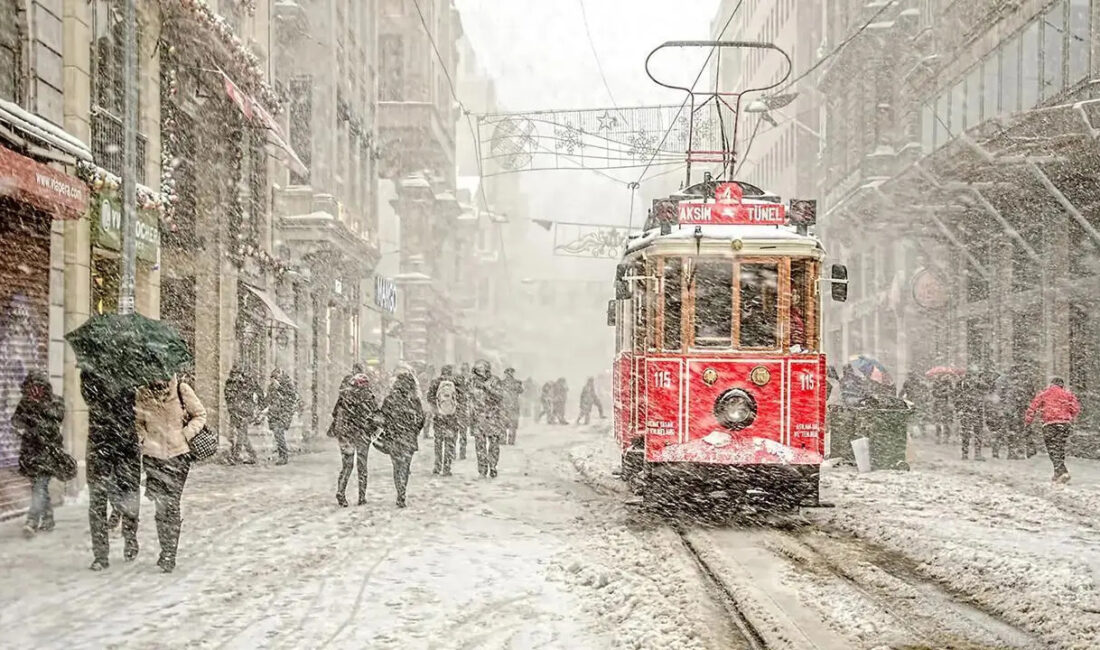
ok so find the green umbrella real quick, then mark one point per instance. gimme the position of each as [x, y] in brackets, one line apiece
[130, 350]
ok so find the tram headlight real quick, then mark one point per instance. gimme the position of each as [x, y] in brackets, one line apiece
[735, 409]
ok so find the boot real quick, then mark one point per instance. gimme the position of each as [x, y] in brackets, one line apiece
[99, 565]
[342, 500]
[130, 552]
[169, 541]
[282, 460]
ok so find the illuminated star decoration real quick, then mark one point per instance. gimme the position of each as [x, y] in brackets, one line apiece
[607, 121]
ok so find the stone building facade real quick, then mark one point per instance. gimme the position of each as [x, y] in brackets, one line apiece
[960, 167]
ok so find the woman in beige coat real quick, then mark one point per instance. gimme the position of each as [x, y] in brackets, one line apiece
[168, 415]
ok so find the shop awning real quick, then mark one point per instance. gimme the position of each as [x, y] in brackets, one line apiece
[255, 112]
[277, 313]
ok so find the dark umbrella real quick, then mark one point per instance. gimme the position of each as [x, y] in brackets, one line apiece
[129, 350]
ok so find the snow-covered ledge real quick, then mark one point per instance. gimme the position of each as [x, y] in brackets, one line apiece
[43, 130]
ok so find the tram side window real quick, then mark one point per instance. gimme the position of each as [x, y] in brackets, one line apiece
[803, 315]
[759, 305]
[713, 303]
[673, 298]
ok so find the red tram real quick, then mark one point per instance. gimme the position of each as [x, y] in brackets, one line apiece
[719, 379]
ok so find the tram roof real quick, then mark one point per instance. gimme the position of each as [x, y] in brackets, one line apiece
[755, 239]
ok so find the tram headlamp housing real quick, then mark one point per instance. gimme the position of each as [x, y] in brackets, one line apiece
[735, 409]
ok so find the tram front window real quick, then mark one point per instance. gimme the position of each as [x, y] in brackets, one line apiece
[713, 303]
[759, 305]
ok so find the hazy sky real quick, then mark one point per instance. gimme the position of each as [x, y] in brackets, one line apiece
[539, 55]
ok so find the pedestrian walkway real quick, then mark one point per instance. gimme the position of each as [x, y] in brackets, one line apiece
[267, 559]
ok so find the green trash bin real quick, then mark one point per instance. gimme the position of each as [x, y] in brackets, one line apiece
[841, 423]
[888, 431]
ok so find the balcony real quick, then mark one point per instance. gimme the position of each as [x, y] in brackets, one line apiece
[107, 144]
[414, 136]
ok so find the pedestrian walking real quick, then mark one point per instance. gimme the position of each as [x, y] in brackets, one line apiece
[282, 403]
[37, 420]
[1057, 407]
[589, 398]
[512, 389]
[243, 397]
[560, 395]
[530, 398]
[546, 403]
[463, 385]
[354, 420]
[113, 463]
[970, 407]
[403, 417]
[914, 390]
[486, 406]
[168, 415]
[444, 400]
[943, 390]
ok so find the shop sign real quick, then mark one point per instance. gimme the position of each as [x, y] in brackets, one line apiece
[385, 294]
[109, 232]
[62, 195]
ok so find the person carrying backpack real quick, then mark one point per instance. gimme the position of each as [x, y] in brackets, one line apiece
[443, 396]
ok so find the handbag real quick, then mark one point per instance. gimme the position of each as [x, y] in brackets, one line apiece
[204, 444]
[64, 465]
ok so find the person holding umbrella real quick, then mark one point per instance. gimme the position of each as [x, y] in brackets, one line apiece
[117, 353]
[168, 416]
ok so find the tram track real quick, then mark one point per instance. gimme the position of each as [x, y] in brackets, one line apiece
[723, 594]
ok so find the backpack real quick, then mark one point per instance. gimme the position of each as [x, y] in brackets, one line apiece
[446, 398]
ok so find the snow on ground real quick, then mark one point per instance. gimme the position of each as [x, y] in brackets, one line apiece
[267, 559]
[998, 532]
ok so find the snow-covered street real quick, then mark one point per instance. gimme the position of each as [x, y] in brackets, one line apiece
[534, 559]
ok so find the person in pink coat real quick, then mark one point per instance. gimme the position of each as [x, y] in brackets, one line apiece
[1057, 407]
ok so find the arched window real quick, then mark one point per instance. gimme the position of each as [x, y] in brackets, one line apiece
[11, 50]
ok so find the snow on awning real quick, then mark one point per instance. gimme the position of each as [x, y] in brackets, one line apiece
[277, 313]
[43, 130]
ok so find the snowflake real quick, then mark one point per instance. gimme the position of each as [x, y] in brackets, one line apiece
[569, 138]
[642, 145]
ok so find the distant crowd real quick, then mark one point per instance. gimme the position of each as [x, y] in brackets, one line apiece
[984, 409]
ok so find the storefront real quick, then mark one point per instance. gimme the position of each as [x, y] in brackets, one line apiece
[32, 194]
[106, 216]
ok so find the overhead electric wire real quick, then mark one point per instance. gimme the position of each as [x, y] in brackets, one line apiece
[851, 37]
[702, 70]
[596, 55]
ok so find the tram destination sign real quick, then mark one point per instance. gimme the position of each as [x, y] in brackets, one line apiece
[732, 214]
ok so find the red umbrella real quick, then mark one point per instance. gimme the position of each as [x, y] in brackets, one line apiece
[940, 371]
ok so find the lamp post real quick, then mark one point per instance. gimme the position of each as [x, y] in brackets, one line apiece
[128, 264]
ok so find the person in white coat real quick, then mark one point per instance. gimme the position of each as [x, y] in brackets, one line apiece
[168, 415]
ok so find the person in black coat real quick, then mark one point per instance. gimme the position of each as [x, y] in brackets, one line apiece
[282, 404]
[113, 462]
[243, 397]
[403, 417]
[354, 420]
[970, 406]
[487, 413]
[38, 418]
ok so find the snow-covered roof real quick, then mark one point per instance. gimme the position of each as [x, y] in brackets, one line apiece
[756, 235]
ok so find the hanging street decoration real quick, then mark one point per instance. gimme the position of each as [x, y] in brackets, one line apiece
[589, 239]
[599, 138]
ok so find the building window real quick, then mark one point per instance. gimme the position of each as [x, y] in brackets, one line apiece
[11, 48]
[108, 88]
[301, 124]
[973, 98]
[991, 70]
[1030, 76]
[1054, 32]
[1079, 40]
[1010, 76]
[957, 120]
[392, 64]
